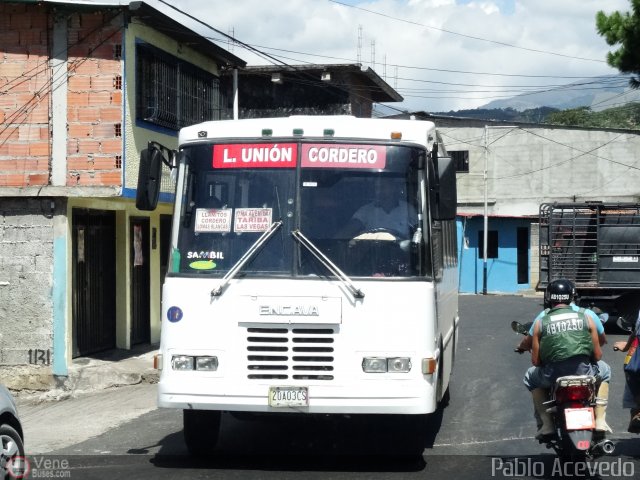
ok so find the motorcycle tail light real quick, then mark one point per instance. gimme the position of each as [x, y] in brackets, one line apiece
[573, 393]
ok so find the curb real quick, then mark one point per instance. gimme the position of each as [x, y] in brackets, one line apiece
[88, 375]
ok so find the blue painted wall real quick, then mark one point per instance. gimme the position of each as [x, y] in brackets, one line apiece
[502, 272]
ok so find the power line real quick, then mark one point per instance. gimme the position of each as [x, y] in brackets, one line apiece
[281, 60]
[411, 67]
[504, 44]
[272, 59]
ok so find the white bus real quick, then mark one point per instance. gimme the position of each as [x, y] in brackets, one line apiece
[294, 284]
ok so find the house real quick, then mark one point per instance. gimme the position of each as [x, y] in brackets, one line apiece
[83, 87]
[331, 89]
[510, 170]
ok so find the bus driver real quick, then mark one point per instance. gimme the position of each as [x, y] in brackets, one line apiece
[388, 211]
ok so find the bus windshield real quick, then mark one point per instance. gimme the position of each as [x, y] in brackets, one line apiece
[361, 210]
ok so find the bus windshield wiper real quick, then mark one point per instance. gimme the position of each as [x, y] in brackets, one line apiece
[233, 271]
[316, 252]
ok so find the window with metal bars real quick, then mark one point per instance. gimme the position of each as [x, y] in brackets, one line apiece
[172, 93]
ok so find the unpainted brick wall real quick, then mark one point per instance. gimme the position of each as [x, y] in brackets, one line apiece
[24, 95]
[94, 96]
[94, 146]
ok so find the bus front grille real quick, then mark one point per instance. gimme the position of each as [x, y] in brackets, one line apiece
[290, 353]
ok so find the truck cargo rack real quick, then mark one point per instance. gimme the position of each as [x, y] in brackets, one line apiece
[595, 245]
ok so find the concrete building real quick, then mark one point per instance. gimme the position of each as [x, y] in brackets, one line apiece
[513, 168]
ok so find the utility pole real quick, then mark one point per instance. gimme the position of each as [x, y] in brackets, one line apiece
[485, 233]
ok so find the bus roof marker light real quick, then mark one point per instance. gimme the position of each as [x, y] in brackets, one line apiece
[267, 132]
[328, 132]
[396, 135]
[298, 132]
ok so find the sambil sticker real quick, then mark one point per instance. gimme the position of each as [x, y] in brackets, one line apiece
[255, 155]
[213, 220]
[252, 219]
[324, 155]
[206, 255]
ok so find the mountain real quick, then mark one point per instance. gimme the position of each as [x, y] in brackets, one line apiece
[598, 93]
[530, 115]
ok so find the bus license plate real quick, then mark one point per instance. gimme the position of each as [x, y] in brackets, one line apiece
[579, 418]
[288, 396]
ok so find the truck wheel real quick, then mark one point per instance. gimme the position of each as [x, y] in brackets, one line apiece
[201, 431]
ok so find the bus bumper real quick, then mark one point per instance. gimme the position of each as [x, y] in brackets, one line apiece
[397, 397]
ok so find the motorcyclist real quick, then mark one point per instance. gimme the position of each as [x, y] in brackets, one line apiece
[604, 370]
[564, 342]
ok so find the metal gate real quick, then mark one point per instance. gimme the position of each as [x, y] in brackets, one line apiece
[139, 261]
[93, 281]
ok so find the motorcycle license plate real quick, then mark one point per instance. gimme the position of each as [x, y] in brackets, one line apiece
[288, 396]
[579, 418]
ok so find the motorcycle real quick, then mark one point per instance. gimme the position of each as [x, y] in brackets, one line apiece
[571, 403]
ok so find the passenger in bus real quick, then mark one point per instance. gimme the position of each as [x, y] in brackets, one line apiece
[389, 211]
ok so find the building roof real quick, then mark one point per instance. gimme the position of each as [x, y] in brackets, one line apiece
[377, 88]
[162, 22]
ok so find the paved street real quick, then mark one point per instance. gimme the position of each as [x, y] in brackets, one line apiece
[486, 429]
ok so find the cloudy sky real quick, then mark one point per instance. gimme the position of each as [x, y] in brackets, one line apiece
[440, 55]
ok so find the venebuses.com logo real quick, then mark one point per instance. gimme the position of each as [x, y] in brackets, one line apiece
[519, 468]
[37, 467]
[18, 467]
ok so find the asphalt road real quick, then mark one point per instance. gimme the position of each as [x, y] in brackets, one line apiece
[485, 431]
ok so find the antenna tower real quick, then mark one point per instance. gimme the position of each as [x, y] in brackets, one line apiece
[359, 56]
[373, 54]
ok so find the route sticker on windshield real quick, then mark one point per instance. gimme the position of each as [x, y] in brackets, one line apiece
[252, 219]
[213, 220]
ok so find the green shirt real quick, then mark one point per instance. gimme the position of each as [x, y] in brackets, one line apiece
[564, 333]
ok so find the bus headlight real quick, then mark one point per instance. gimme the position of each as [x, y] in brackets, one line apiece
[187, 362]
[182, 362]
[207, 363]
[384, 364]
[399, 364]
[374, 365]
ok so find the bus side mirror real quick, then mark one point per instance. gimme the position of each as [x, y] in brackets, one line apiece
[443, 190]
[149, 178]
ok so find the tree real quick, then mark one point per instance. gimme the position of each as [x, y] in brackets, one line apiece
[580, 116]
[623, 29]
